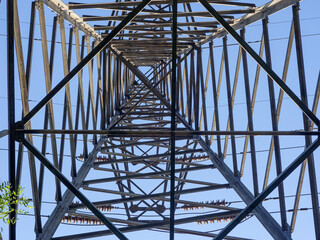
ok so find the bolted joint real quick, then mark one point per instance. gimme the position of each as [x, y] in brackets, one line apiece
[266, 19]
[297, 6]
[37, 4]
[19, 136]
[60, 19]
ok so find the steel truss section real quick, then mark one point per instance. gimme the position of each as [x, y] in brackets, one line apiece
[131, 146]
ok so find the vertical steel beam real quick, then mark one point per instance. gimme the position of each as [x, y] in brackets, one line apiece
[28, 71]
[215, 100]
[203, 87]
[192, 87]
[233, 95]
[279, 104]
[233, 141]
[25, 107]
[197, 92]
[104, 89]
[46, 119]
[11, 111]
[303, 166]
[108, 87]
[99, 97]
[253, 101]
[218, 87]
[173, 115]
[276, 139]
[306, 121]
[250, 119]
[189, 92]
[67, 99]
[80, 90]
[48, 89]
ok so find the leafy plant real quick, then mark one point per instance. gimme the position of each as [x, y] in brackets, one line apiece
[9, 197]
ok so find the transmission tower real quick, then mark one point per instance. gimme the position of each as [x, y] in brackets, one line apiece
[182, 119]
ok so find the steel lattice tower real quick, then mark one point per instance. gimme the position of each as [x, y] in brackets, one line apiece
[148, 109]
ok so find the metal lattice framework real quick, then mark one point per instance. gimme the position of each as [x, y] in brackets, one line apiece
[149, 125]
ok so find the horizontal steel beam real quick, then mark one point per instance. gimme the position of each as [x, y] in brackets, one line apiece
[212, 24]
[159, 196]
[73, 5]
[133, 176]
[155, 157]
[164, 133]
[181, 14]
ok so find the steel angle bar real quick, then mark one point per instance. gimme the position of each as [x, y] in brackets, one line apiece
[260, 61]
[279, 103]
[303, 166]
[306, 122]
[67, 99]
[274, 122]
[153, 176]
[131, 197]
[131, 175]
[275, 183]
[253, 100]
[316, 99]
[84, 62]
[4, 133]
[46, 115]
[166, 133]
[230, 98]
[215, 121]
[173, 116]
[80, 110]
[177, 230]
[25, 109]
[250, 118]
[233, 92]
[73, 189]
[48, 85]
[156, 157]
[11, 110]
[75, 5]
